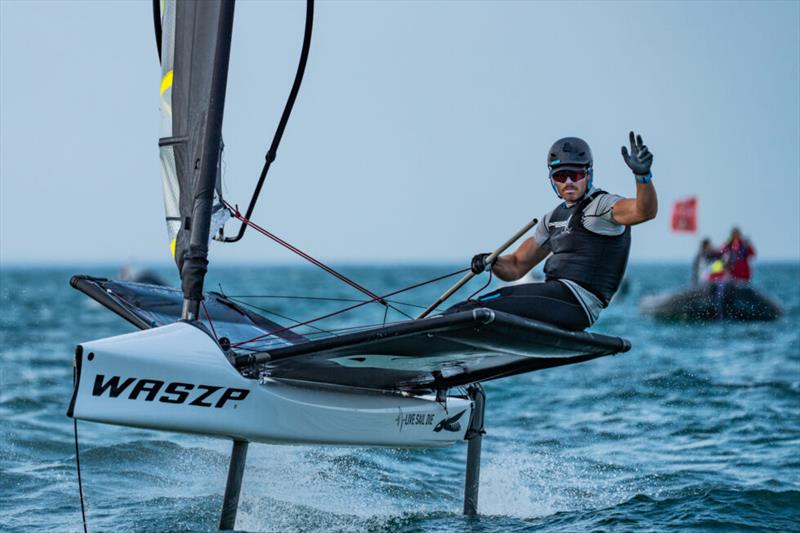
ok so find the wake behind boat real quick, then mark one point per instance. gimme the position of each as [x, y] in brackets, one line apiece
[724, 300]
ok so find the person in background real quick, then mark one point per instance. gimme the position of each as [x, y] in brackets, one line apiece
[703, 260]
[717, 271]
[737, 253]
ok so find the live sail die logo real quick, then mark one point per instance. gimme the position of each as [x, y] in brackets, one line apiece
[426, 419]
[413, 419]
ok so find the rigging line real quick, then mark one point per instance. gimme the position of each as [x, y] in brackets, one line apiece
[349, 308]
[321, 298]
[354, 306]
[320, 331]
[340, 331]
[294, 297]
[313, 336]
[401, 312]
[301, 253]
[130, 305]
[307, 322]
[471, 296]
[334, 299]
[80, 481]
[386, 312]
[287, 110]
[210, 322]
[264, 310]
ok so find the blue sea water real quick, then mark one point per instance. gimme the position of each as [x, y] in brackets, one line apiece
[696, 428]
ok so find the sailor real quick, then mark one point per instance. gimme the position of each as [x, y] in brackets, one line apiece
[717, 272]
[737, 253]
[703, 261]
[587, 238]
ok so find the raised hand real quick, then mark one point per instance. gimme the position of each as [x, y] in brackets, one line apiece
[639, 160]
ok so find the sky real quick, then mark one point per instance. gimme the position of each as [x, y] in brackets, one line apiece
[421, 129]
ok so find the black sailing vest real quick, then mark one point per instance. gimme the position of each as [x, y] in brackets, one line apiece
[593, 261]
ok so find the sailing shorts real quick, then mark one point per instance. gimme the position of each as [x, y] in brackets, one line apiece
[550, 302]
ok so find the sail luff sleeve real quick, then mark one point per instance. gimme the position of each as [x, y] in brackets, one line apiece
[206, 162]
[195, 49]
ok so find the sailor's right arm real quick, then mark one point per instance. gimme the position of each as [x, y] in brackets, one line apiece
[513, 266]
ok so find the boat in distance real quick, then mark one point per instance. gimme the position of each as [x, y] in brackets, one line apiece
[728, 300]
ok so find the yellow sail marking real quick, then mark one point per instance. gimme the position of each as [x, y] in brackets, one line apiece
[166, 82]
[172, 246]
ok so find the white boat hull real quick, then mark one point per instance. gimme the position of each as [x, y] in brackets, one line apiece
[176, 378]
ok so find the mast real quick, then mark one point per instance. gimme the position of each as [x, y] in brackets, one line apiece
[194, 53]
[195, 263]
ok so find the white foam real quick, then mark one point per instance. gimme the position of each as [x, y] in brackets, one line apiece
[529, 485]
[289, 487]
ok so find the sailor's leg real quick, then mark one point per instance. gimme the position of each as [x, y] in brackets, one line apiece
[550, 302]
[233, 487]
[474, 437]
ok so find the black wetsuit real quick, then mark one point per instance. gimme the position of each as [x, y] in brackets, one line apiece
[550, 302]
[595, 262]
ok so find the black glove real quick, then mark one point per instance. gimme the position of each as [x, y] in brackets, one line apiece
[640, 159]
[479, 264]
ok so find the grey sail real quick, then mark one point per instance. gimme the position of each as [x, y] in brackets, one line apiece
[194, 49]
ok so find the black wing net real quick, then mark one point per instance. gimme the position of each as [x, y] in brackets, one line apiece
[439, 352]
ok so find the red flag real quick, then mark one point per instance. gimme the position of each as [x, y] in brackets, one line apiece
[684, 215]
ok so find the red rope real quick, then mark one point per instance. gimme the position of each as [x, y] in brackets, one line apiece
[301, 253]
[334, 313]
[210, 322]
[471, 296]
